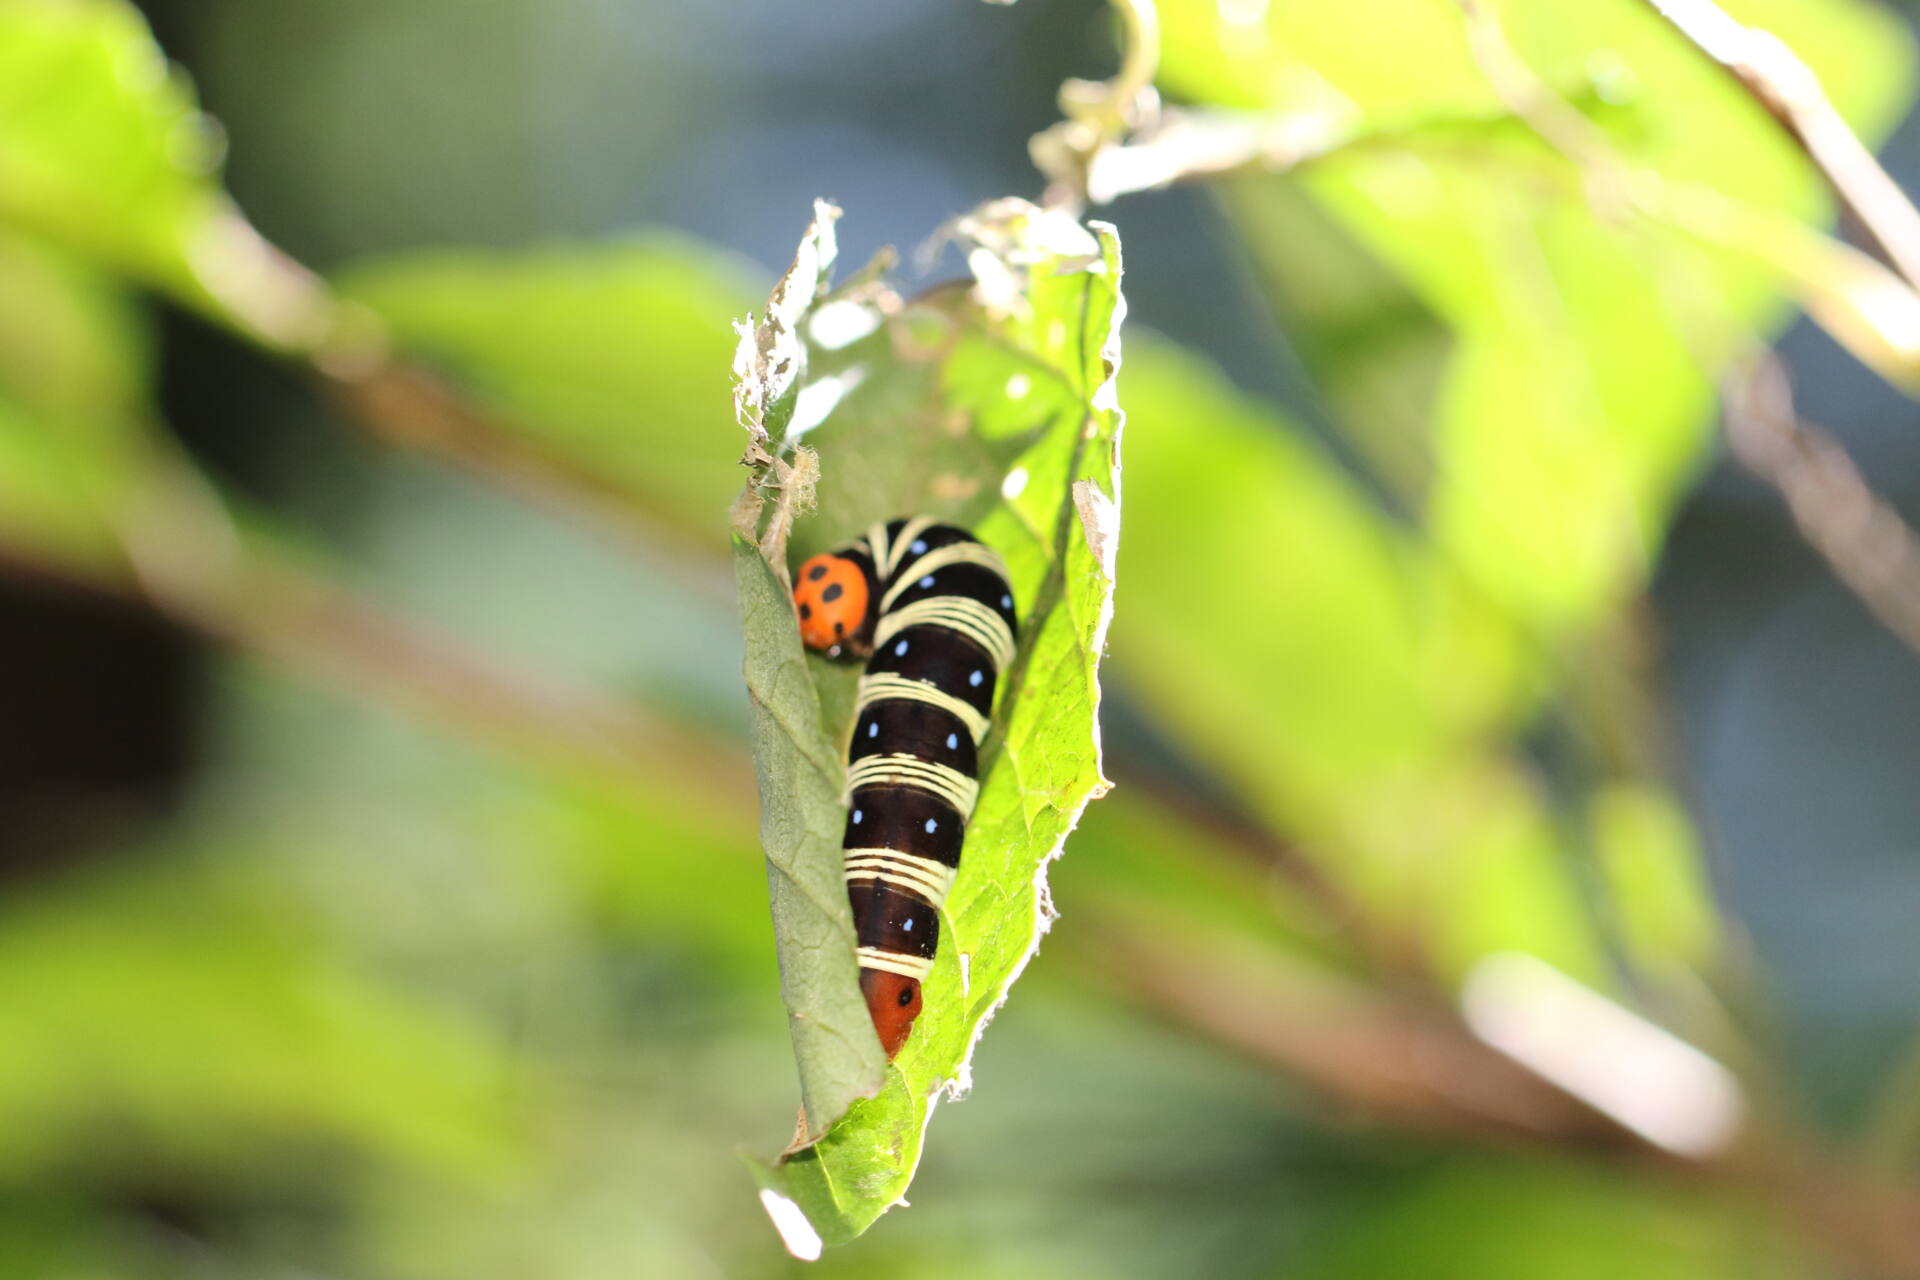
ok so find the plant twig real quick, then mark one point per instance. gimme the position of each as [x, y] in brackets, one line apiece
[1188, 146]
[1395, 1059]
[411, 408]
[1869, 547]
[1411, 1064]
[189, 563]
[1101, 113]
[1783, 84]
[1532, 100]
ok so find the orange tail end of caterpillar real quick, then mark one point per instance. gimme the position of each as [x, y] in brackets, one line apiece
[894, 1002]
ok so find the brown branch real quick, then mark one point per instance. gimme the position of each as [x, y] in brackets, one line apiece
[307, 624]
[283, 308]
[1411, 1063]
[188, 563]
[1791, 93]
[1387, 950]
[412, 408]
[1394, 1059]
[1861, 537]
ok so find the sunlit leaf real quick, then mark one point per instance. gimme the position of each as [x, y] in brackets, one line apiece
[609, 359]
[1650, 856]
[1338, 675]
[1289, 632]
[73, 371]
[992, 408]
[1577, 392]
[179, 1007]
[1514, 1219]
[103, 150]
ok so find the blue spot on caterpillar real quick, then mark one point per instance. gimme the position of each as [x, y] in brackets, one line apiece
[937, 689]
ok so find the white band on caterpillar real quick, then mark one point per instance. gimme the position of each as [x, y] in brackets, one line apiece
[879, 688]
[950, 785]
[939, 558]
[878, 547]
[977, 622]
[908, 532]
[928, 878]
[907, 966]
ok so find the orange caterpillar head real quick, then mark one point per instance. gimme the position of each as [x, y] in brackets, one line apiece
[830, 595]
[893, 1000]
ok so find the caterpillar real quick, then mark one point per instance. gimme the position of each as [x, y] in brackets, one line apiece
[929, 607]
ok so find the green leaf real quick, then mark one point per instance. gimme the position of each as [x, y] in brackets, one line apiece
[801, 820]
[797, 762]
[1343, 680]
[992, 407]
[1650, 856]
[1513, 1218]
[1575, 398]
[175, 1006]
[606, 359]
[1302, 644]
[103, 150]
[73, 378]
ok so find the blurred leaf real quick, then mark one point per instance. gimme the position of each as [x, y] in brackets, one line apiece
[50, 1236]
[100, 141]
[1376, 351]
[1287, 626]
[649, 866]
[1521, 1219]
[1155, 863]
[1651, 859]
[1575, 399]
[180, 1008]
[103, 150]
[73, 387]
[993, 409]
[1348, 686]
[1865, 306]
[609, 358]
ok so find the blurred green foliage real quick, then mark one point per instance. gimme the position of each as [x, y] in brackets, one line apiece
[393, 998]
[570, 346]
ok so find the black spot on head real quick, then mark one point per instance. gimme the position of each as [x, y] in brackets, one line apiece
[832, 593]
[906, 995]
[806, 611]
[816, 573]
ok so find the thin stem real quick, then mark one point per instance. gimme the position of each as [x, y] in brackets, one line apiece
[1397, 1059]
[1869, 547]
[188, 562]
[1100, 114]
[1791, 93]
[411, 408]
[1533, 101]
[1141, 22]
